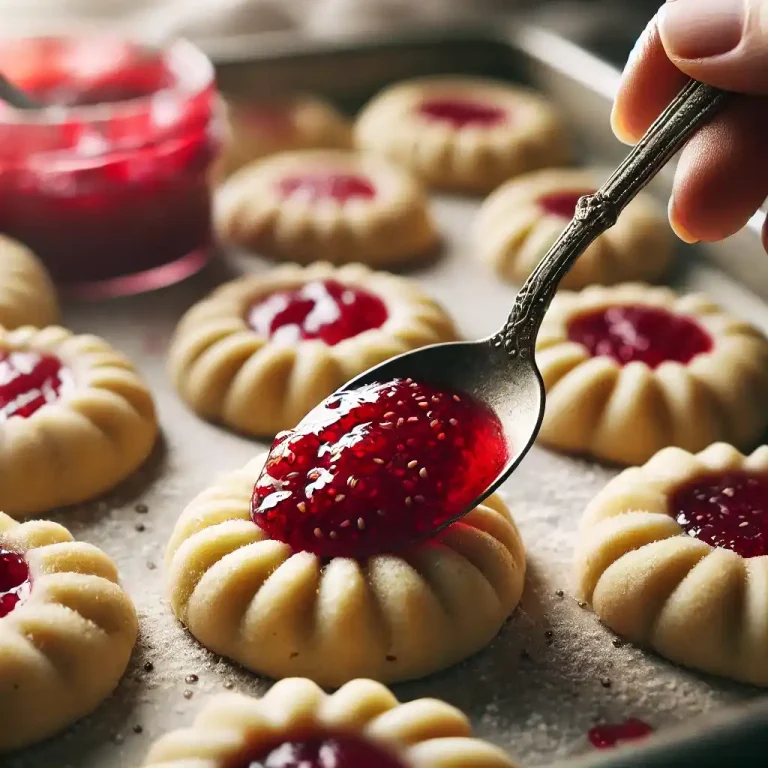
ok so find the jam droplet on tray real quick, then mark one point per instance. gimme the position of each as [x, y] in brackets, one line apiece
[650, 335]
[461, 112]
[322, 309]
[326, 751]
[341, 187]
[377, 468]
[727, 510]
[28, 381]
[609, 735]
[562, 204]
[15, 584]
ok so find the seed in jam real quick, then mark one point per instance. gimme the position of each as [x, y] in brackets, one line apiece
[609, 735]
[322, 309]
[15, 582]
[562, 204]
[323, 751]
[341, 187]
[28, 381]
[728, 510]
[461, 113]
[629, 333]
[377, 468]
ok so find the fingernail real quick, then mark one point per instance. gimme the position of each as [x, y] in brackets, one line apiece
[698, 29]
[677, 227]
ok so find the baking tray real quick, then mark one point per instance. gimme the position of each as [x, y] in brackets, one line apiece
[553, 671]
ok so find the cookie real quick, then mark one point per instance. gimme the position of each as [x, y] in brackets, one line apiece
[27, 295]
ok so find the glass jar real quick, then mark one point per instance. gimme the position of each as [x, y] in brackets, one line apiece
[108, 184]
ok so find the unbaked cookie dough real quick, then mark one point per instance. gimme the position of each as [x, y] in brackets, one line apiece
[463, 133]
[76, 419]
[67, 630]
[257, 128]
[521, 220]
[632, 369]
[673, 555]
[330, 205]
[281, 612]
[262, 351]
[362, 725]
[27, 295]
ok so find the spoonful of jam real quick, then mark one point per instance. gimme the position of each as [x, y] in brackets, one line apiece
[415, 443]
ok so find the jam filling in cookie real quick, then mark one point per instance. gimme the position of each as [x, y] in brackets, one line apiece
[341, 187]
[727, 510]
[15, 582]
[377, 468]
[609, 735]
[324, 751]
[629, 333]
[461, 113]
[322, 309]
[28, 381]
[562, 204]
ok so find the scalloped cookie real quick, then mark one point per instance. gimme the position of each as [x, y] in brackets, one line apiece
[257, 128]
[678, 549]
[67, 630]
[76, 419]
[521, 220]
[262, 351]
[463, 133]
[281, 612]
[27, 295]
[362, 725]
[632, 369]
[324, 204]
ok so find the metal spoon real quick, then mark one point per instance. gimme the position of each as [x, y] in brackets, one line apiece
[14, 96]
[500, 370]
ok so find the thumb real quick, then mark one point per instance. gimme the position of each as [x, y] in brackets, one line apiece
[721, 42]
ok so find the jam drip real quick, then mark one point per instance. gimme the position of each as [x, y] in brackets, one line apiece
[377, 468]
[341, 187]
[322, 309]
[28, 381]
[630, 333]
[727, 510]
[607, 735]
[461, 113]
[326, 751]
[15, 582]
[562, 204]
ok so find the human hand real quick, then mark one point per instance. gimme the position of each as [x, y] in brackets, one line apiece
[722, 173]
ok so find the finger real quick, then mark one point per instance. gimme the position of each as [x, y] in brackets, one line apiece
[722, 174]
[649, 83]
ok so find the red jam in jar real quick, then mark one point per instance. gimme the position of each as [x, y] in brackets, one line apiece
[28, 381]
[109, 183]
[15, 581]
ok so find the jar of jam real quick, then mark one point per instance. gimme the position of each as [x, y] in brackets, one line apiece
[108, 183]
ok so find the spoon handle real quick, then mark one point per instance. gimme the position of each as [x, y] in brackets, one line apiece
[596, 213]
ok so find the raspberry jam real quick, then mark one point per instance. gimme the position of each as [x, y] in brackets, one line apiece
[341, 187]
[15, 582]
[326, 751]
[650, 335]
[109, 185]
[322, 309]
[562, 204]
[607, 735]
[377, 468]
[728, 510]
[462, 113]
[28, 381]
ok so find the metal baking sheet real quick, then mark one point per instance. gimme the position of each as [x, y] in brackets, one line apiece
[553, 671]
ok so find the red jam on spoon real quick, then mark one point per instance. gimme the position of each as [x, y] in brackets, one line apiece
[322, 309]
[562, 204]
[15, 582]
[650, 335]
[377, 468]
[341, 187]
[461, 112]
[728, 510]
[609, 735]
[28, 381]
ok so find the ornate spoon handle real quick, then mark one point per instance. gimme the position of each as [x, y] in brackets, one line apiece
[596, 213]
